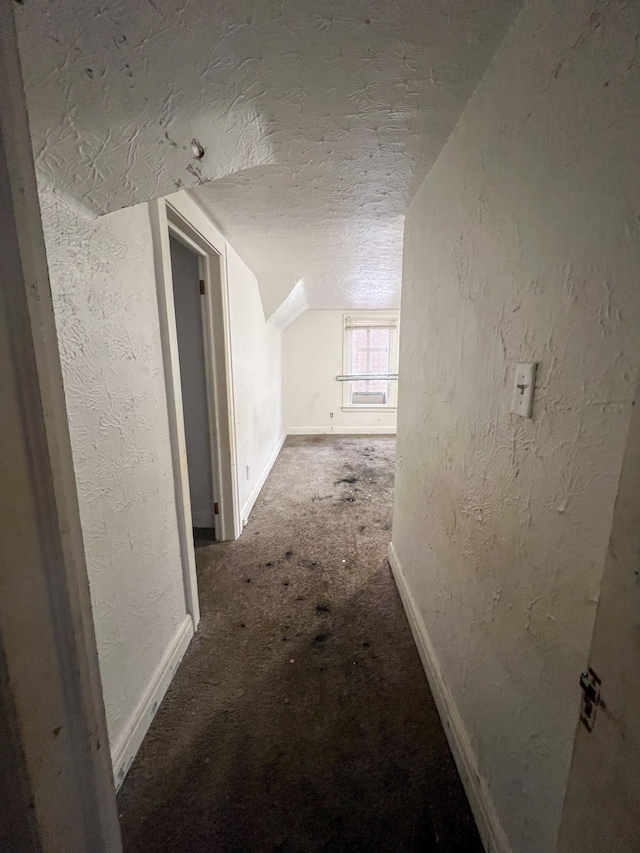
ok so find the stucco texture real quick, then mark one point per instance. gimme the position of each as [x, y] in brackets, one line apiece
[522, 245]
[315, 121]
[103, 285]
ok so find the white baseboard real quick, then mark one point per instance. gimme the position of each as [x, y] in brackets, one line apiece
[253, 497]
[137, 727]
[491, 832]
[343, 430]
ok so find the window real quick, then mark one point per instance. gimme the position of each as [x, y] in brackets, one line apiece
[370, 349]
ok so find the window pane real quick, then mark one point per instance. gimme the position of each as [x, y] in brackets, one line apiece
[359, 361]
[379, 338]
[379, 361]
[369, 353]
[358, 338]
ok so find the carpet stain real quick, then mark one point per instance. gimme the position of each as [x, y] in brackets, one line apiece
[300, 719]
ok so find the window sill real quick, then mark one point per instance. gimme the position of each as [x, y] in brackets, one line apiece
[365, 408]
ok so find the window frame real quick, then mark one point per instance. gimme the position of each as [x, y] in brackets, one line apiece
[384, 320]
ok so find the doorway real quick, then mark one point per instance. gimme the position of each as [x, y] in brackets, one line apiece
[199, 430]
[202, 430]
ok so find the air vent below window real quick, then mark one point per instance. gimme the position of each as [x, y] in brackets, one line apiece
[369, 398]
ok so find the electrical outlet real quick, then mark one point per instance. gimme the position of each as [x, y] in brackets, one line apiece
[248, 473]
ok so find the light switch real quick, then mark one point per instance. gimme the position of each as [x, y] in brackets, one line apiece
[524, 382]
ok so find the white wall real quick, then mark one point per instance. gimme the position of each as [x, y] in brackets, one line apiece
[257, 381]
[522, 245]
[104, 291]
[312, 358]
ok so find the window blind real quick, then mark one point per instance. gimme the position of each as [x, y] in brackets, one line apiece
[351, 323]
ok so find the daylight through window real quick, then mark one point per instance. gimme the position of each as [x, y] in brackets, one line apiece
[369, 351]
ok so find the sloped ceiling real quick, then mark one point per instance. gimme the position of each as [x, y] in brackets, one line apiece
[303, 127]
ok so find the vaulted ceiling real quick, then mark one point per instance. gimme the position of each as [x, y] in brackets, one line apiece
[303, 127]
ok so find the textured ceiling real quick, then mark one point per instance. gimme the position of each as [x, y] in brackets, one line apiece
[318, 120]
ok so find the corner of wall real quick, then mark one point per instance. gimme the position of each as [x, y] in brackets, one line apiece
[126, 748]
[489, 826]
[255, 492]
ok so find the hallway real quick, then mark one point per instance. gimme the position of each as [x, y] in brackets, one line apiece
[300, 719]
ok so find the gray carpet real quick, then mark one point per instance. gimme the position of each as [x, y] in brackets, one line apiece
[300, 719]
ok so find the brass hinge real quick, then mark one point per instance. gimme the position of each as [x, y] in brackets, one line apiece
[591, 698]
[201, 287]
[216, 511]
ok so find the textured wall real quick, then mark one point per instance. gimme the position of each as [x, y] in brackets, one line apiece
[257, 376]
[104, 291]
[312, 358]
[103, 284]
[522, 244]
[317, 120]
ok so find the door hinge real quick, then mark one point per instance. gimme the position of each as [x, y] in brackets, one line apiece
[591, 698]
[216, 511]
[201, 287]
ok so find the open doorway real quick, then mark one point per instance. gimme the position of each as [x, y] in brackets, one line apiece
[194, 327]
[199, 427]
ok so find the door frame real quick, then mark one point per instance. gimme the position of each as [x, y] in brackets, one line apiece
[180, 217]
[207, 338]
[55, 769]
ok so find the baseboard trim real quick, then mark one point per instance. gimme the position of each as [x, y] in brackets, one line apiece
[491, 832]
[137, 727]
[342, 430]
[253, 497]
